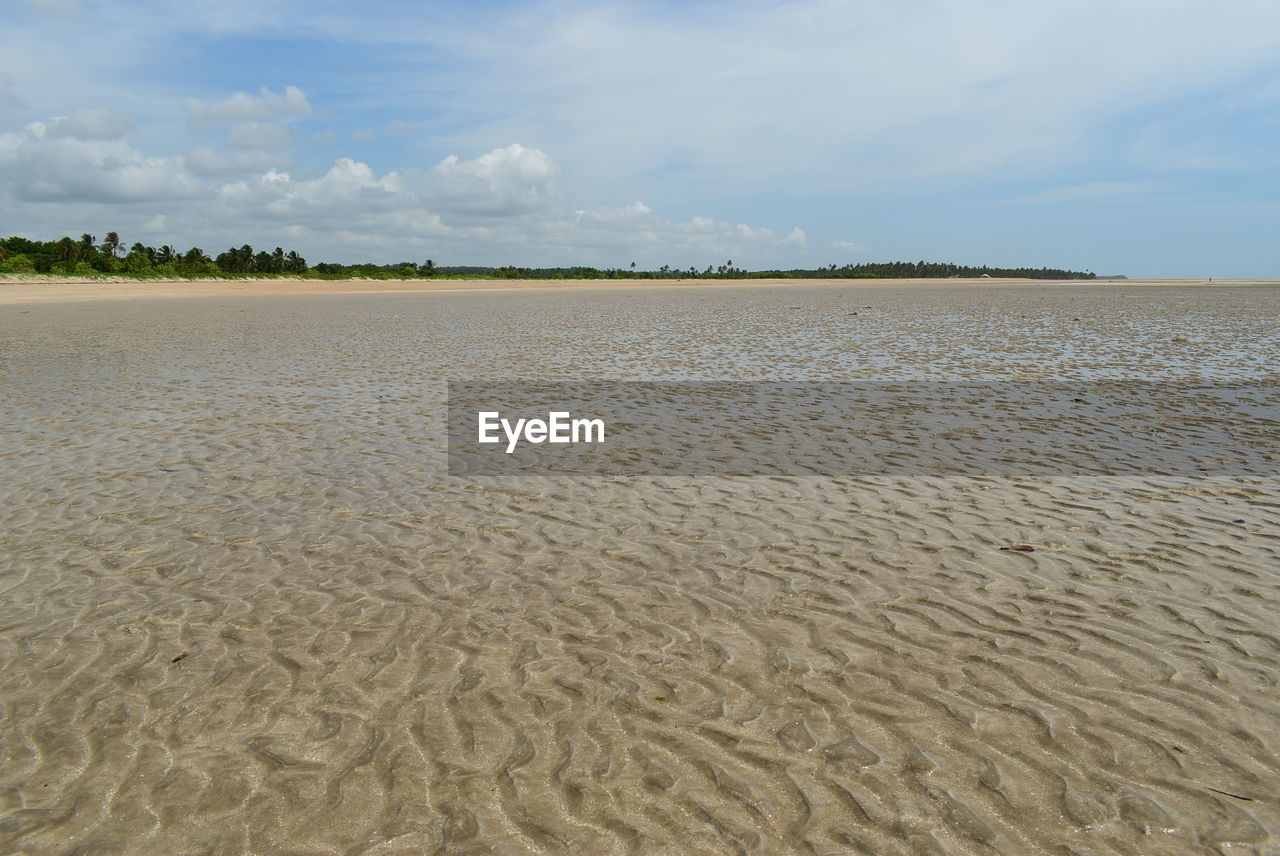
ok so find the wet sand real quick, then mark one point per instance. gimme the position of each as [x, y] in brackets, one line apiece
[244, 609]
[42, 289]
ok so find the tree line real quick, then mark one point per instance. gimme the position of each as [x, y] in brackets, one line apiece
[89, 257]
[929, 270]
[870, 270]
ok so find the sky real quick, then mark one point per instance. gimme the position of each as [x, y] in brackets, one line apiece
[1135, 137]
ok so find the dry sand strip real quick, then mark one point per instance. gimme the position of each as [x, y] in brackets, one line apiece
[28, 289]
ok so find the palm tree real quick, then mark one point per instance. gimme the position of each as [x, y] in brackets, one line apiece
[244, 259]
[139, 259]
[236, 259]
[111, 245]
[67, 251]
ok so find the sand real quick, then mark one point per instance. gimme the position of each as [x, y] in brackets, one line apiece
[245, 609]
[16, 288]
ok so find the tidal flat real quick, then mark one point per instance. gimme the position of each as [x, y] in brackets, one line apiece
[244, 608]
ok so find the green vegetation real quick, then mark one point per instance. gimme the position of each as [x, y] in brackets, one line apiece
[925, 270]
[880, 270]
[87, 257]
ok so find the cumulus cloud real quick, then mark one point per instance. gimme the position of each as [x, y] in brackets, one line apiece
[38, 167]
[764, 106]
[851, 246]
[243, 107]
[259, 135]
[94, 123]
[354, 213]
[346, 193]
[495, 208]
[498, 207]
[505, 181]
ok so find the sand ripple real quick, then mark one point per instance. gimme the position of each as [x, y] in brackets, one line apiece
[243, 609]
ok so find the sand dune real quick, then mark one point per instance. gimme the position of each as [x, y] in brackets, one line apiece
[245, 610]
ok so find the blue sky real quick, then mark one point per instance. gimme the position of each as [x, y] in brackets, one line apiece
[1139, 137]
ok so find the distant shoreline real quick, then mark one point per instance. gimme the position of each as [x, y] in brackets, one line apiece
[21, 289]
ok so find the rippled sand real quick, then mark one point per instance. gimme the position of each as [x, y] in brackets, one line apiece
[243, 609]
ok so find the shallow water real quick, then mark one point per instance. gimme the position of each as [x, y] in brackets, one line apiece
[243, 609]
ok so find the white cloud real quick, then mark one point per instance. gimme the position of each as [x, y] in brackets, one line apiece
[259, 135]
[243, 107]
[40, 168]
[94, 123]
[738, 107]
[323, 137]
[837, 96]
[399, 127]
[363, 135]
[156, 225]
[207, 163]
[851, 246]
[505, 181]
[343, 195]
[493, 209]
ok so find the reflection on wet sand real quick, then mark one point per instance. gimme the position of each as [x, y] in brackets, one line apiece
[245, 609]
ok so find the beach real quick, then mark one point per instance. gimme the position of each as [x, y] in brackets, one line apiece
[15, 288]
[246, 608]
